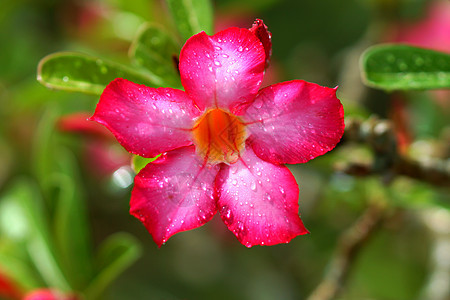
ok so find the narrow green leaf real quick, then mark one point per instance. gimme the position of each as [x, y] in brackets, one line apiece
[19, 271]
[191, 16]
[43, 150]
[116, 254]
[139, 162]
[38, 241]
[84, 73]
[70, 224]
[401, 67]
[154, 49]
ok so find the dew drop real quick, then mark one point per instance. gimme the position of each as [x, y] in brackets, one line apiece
[402, 66]
[258, 103]
[217, 63]
[390, 58]
[65, 79]
[241, 226]
[253, 186]
[419, 61]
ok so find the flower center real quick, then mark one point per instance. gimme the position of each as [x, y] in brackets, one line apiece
[219, 136]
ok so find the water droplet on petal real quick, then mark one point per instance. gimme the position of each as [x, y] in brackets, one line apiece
[253, 186]
[258, 103]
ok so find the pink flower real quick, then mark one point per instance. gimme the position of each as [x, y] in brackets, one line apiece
[224, 141]
[8, 288]
[430, 32]
[100, 152]
[48, 294]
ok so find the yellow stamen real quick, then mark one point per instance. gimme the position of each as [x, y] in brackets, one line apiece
[219, 136]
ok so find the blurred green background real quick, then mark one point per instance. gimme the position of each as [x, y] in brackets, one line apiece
[77, 185]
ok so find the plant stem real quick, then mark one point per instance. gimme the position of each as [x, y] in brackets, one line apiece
[347, 250]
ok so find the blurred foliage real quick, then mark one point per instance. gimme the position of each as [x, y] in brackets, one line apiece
[59, 219]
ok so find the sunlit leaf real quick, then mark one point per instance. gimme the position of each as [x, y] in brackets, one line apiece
[84, 73]
[117, 253]
[402, 67]
[154, 49]
[38, 241]
[191, 16]
[139, 162]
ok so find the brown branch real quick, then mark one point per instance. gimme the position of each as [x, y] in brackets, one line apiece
[347, 251]
[379, 135]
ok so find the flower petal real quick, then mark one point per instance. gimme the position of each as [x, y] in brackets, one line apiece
[258, 201]
[78, 123]
[223, 70]
[293, 122]
[263, 34]
[174, 193]
[146, 121]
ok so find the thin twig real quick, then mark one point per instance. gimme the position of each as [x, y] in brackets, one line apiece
[378, 135]
[346, 253]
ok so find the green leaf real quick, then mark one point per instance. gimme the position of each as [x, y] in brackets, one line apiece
[154, 50]
[116, 254]
[43, 150]
[19, 271]
[38, 242]
[401, 67]
[191, 16]
[139, 162]
[70, 223]
[84, 73]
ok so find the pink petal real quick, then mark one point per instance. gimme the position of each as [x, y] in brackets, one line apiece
[293, 122]
[48, 294]
[146, 121]
[78, 123]
[174, 193]
[258, 201]
[431, 32]
[263, 34]
[223, 70]
[9, 288]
